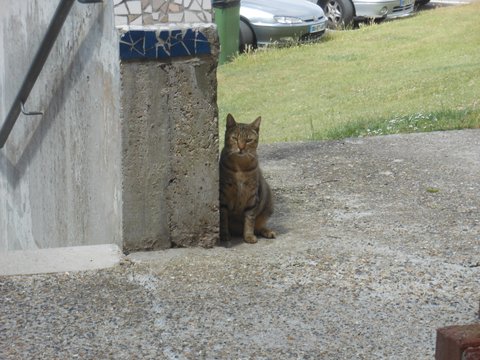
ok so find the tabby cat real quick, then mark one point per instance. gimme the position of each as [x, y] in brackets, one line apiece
[245, 197]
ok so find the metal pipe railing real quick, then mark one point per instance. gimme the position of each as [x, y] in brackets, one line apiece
[36, 67]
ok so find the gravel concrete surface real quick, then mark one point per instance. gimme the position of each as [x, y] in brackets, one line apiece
[378, 245]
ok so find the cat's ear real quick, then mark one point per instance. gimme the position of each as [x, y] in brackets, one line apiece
[230, 121]
[256, 124]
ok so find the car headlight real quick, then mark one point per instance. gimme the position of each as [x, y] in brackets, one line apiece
[287, 20]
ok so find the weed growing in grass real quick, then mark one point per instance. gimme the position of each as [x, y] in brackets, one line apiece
[417, 122]
[408, 123]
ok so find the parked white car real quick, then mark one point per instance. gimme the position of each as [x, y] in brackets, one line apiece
[344, 12]
[266, 22]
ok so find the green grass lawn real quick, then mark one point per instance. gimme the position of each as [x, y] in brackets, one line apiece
[416, 74]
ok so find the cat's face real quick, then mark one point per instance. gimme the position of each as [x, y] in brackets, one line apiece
[242, 139]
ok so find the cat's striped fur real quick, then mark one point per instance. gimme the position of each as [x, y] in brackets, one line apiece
[245, 197]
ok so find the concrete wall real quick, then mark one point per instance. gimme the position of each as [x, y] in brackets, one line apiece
[126, 152]
[60, 173]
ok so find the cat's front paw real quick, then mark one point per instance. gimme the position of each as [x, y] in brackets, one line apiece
[267, 233]
[251, 239]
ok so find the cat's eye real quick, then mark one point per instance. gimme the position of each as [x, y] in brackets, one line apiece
[234, 138]
[249, 141]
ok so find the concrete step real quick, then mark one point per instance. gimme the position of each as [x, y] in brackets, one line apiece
[65, 259]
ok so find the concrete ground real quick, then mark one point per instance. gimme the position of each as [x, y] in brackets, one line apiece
[378, 245]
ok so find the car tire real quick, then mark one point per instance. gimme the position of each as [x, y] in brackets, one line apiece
[340, 13]
[247, 37]
[422, 2]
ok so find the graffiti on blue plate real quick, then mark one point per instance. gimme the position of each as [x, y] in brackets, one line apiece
[150, 44]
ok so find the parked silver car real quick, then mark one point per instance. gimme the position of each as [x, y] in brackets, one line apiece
[344, 12]
[264, 22]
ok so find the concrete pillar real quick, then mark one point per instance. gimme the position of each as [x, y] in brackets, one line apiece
[169, 124]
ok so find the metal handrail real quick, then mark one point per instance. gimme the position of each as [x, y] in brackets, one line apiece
[36, 67]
